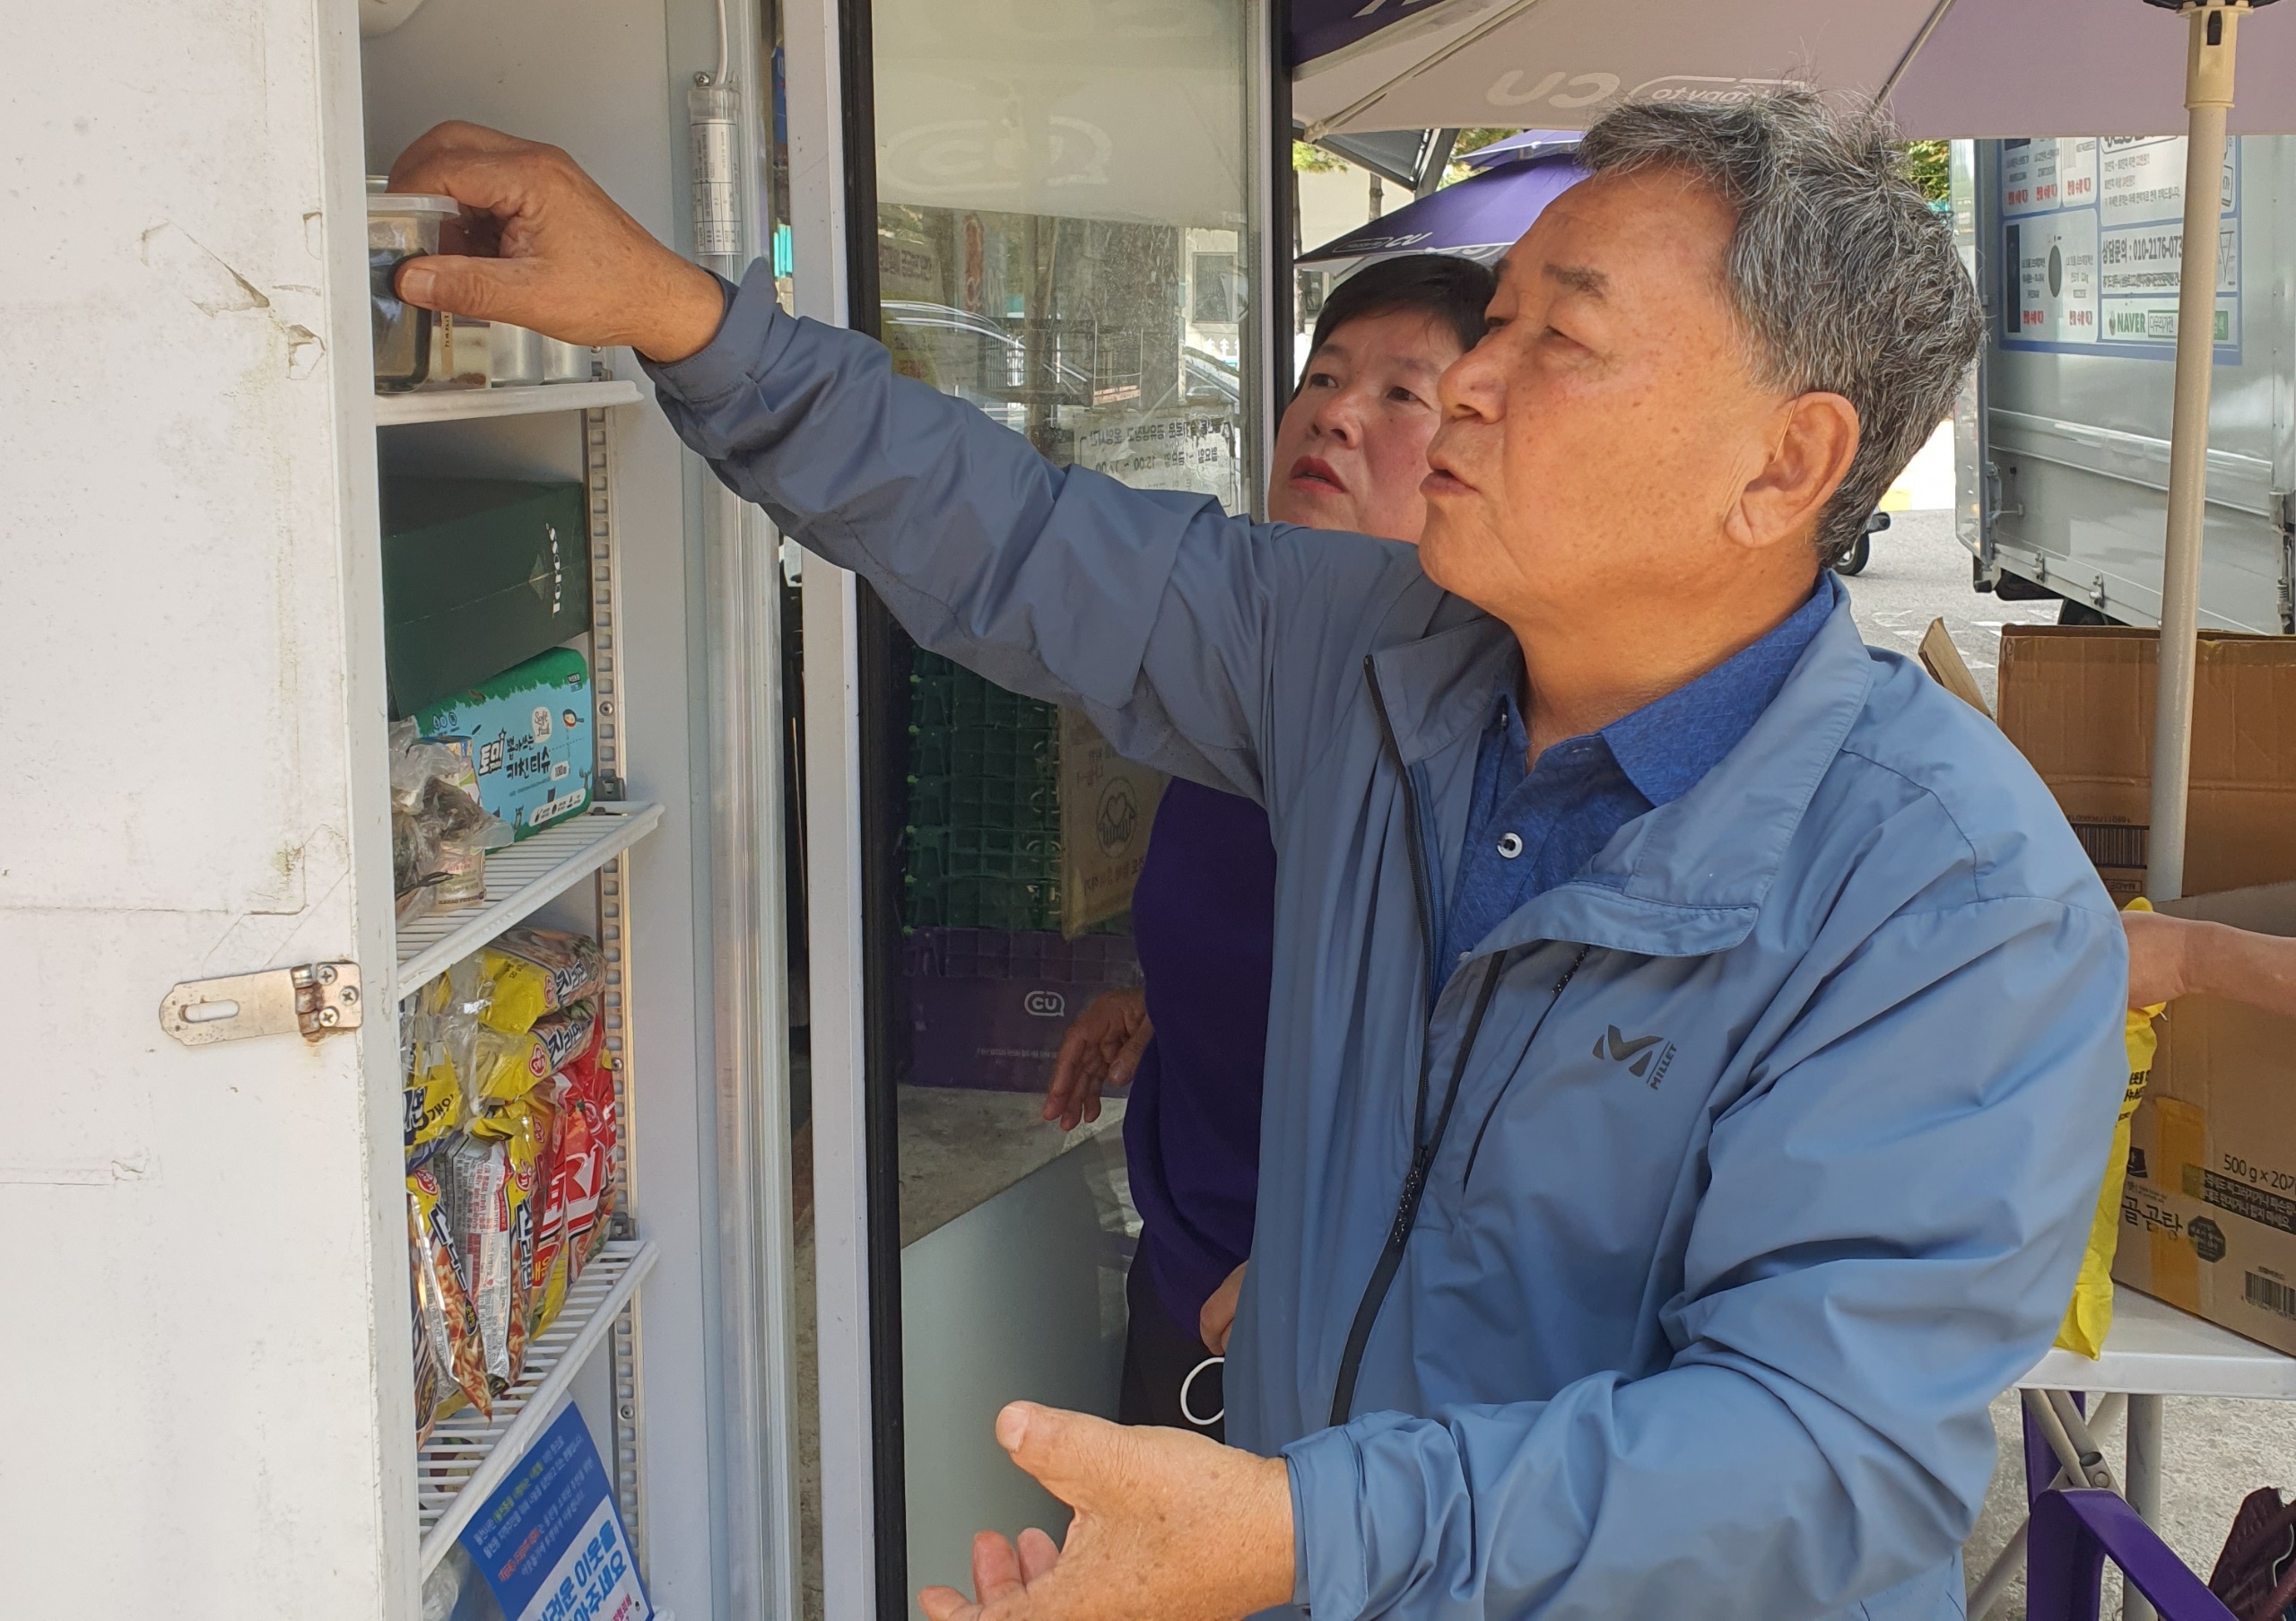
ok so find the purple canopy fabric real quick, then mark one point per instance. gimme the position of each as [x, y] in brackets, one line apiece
[1480, 218]
[1970, 67]
[1524, 144]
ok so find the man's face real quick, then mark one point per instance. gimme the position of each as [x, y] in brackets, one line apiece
[1594, 440]
[1352, 448]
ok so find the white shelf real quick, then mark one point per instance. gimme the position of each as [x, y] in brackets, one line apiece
[468, 1454]
[2154, 1349]
[519, 881]
[467, 405]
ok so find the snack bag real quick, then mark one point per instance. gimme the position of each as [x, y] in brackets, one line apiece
[478, 1180]
[546, 1290]
[426, 1360]
[574, 1190]
[535, 971]
[442, 1303]
[505, 1066]
[519, 1128]
[589, 1093]
[2088, 1314]
[434, 1095]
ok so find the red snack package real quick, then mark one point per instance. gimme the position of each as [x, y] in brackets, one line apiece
[547, 1292]
[589, 1093]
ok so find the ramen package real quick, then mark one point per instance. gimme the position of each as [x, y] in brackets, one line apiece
[442, 1303]
[505, 1067]
[534, 972]
[586, 1093]
[478, 1178]
[426, 1357]
[546, 1290]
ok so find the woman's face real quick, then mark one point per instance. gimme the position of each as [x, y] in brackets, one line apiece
[1353, 446]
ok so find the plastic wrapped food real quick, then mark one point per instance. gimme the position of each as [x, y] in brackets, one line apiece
[439, 833]
[546, 1290]
[505, 1068]
[430, 1031]
[427, 1371]
[533, 971]
[522, 1130]
[588, 1091]
[442, 1300]
[477, 1178]
[574, 1189]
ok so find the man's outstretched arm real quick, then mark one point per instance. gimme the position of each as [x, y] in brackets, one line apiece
[1152, 611]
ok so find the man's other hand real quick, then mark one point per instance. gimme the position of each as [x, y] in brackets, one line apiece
[1102, 1049]
[1217, 1320]
[1168, 1525]
[548, 250]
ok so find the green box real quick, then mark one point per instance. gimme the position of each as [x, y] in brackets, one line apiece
[479, 574]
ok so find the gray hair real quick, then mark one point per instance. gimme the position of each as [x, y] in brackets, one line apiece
[1843, 278]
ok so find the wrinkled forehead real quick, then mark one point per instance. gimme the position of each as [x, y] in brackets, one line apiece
[1616, 238]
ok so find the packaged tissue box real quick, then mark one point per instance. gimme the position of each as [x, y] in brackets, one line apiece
[528, 732]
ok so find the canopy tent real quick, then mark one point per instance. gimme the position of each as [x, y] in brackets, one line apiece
[1478, 218]
[1946, 67]
[1514, 148]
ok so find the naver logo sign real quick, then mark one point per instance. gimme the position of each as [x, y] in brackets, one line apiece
[1646, 1057]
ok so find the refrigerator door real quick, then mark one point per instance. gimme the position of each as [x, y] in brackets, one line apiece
[206, 1391]
[1060, 227]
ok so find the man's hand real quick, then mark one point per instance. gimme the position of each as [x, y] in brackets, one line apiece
[1102, 1049]
[1217, 1320]
[549, 251]
[1168, 1525]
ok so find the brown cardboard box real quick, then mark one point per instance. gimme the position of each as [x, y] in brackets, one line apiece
[2078, 702]
[1107, 804]
[2208, 1215]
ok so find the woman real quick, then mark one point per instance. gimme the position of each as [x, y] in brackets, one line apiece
[1350, 454]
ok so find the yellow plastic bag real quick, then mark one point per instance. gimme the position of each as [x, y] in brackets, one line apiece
[2089, 1315]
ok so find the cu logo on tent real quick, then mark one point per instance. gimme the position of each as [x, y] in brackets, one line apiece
[1045, 1004]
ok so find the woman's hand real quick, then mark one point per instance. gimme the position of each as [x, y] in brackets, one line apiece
[1217, 1320]
[1103, 1049]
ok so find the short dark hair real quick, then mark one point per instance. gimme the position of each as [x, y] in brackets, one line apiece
[1445, 287]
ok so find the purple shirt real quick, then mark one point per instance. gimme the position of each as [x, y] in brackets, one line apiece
[1204, 924]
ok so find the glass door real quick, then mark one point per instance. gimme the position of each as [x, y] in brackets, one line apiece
[1067, 237]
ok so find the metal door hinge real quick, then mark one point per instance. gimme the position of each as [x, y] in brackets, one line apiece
[313, 1000]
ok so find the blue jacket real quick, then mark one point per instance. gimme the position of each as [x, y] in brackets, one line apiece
[1766, 1146]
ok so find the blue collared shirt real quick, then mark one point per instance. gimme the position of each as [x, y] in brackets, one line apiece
[1528, 831]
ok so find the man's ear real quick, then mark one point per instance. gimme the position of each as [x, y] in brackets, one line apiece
[1814, 438]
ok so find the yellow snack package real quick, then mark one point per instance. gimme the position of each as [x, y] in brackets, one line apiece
[531, 972]
[505, 1068]
[2088, 1314]
[433, 1092]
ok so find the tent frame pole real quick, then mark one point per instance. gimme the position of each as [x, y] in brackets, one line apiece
[2213, 27]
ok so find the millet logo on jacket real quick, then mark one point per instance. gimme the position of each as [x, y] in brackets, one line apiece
[1646, 1058]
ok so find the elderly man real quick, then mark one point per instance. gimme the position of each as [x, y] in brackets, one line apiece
[1695, 1036]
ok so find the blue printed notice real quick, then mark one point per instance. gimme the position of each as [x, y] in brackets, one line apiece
[550, 1543]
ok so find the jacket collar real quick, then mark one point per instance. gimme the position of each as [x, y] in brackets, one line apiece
[1689, 877]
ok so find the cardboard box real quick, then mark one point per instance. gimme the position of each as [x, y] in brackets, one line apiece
[2078, 702]
[479, 574]
[1107, 805]
[2208, 1215]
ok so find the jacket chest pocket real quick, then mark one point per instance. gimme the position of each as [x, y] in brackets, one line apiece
[1587, 1132]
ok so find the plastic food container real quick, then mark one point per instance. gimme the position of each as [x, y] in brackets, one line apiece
[400, 226]
[513, 356]
[462, 352]
[563, 362]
